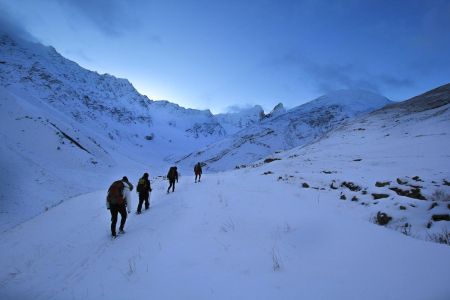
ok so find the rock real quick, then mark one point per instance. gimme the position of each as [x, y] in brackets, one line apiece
[270, 159]
[448, 206]
[351, 186]
[382, 184]
[429, 224]
[413, 193]
[305, 185]
[402, 207]
[445, 182]
[358, 159]
[417, 178]
[268, 173]
[354, 198]
[433, 205]
[399, 181]
[379, 196]
[343, 197]
[364, 192]
[383, 218]
[332, 186]
[442, 217]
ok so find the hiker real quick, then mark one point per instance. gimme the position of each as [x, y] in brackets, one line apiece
[144, 189]
[172, 175]
[198, 172]
[119, 201]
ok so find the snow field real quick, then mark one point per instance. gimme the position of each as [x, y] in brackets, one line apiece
[234, 235]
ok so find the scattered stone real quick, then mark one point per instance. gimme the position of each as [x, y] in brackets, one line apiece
[268, 173]
[332, 186]
[270, 159]
[305, 185]
[343, 197]
[415, 186]
[417, 178]
[383, 218]
[351, 186]
[433, 205]
[402, 207]
[358, 159]
[364, 192]
[446, 182]
[354, 198]
[327, 172]
[429, 224]
[382, 183]
[399, 181]
[412, 205]
[379, 196]
[280, 178]
[441, 217]
[414, 193]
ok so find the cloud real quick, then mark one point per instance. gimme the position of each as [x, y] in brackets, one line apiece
[114, 18]
[236, 108]
[334, 76]
[12, 27]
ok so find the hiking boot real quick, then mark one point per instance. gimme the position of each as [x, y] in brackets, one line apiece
[113, 235]
[121, 231]
[138, 212]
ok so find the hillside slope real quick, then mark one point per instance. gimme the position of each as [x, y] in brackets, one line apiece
[392, 160]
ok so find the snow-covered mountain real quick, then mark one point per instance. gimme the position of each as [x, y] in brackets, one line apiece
[57, 117]
[103, 103]
[237, 120]
[283, 130]
[280, 228]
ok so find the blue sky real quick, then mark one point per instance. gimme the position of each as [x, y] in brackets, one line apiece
[217, 54]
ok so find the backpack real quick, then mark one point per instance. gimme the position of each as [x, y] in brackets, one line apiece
[171, 173]
[115, 196]
[142, 185]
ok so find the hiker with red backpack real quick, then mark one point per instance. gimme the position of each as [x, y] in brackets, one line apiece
[118, 201]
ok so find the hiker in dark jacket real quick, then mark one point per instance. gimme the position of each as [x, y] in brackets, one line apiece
[172, 175]
[198, 172]
[118, 201]
[144, 189]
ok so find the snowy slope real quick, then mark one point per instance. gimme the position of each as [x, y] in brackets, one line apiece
[225, 238]
[274, 229]
[104, 103]
[67, 130]
[286, 130]
[404, 147]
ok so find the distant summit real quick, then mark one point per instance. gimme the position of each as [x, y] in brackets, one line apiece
[276, 111]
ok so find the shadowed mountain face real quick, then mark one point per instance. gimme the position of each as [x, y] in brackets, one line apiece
[432, 99]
